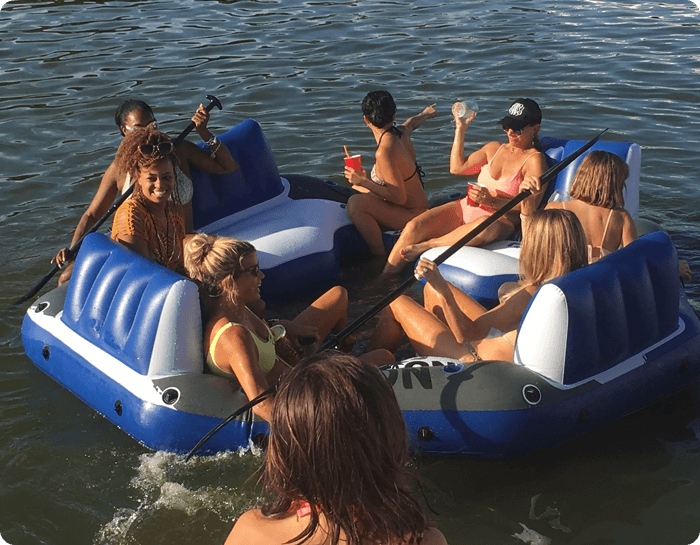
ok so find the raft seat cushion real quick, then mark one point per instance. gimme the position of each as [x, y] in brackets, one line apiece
[134, 309]
[590, 320]
[255, 181]
[560, 148]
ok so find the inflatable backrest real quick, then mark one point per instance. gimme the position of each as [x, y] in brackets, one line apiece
[257, 179]
[559, 148]
[588, 321]
[134, 309]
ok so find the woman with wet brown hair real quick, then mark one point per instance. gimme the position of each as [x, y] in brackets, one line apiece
[336, 463]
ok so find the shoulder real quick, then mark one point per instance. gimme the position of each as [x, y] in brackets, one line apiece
[535, 161]
[131, 218]
[248, 529]
[433, 536]
[491, 148]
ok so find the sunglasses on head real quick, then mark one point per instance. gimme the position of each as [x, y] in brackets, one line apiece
[164, 148]
[153, 123]
[518, 132]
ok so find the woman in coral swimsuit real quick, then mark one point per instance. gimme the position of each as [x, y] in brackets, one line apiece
[501, 168]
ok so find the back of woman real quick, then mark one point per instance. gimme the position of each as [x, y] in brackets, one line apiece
[336, 462]
[598, 202]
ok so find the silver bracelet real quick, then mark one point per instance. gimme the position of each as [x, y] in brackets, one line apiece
[213, 140]
[213, 152]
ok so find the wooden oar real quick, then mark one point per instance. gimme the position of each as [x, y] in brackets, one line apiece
[334, 340]
[73, 250]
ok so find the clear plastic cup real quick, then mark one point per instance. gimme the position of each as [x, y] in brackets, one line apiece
[465, 108]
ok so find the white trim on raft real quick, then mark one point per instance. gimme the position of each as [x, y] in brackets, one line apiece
[138, 385]
[284, 229]
[621, 368]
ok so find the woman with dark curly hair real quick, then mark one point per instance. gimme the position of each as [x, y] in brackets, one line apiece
[133, 115]
[151, 222]
[393, 192]
[336, 463]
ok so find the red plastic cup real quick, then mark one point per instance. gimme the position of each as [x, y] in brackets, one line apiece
[470, 201]
[354, 162]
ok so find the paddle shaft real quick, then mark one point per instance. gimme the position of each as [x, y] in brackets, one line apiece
[73, 250]
[252, 403]
[334, 340]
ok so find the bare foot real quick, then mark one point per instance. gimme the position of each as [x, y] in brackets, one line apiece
[413, 251]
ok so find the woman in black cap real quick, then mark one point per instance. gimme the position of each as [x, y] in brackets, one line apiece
[501, 167]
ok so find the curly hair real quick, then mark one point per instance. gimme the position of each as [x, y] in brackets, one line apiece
[600, 180]
[338, 441]
[128, 106]
[213, 262]
[130, 160]
[379, 108]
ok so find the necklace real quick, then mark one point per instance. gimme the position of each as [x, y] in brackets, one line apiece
[164, 245]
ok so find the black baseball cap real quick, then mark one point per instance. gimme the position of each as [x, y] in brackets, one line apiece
[522, 112]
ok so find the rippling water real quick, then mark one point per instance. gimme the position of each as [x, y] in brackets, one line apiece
[301, 69]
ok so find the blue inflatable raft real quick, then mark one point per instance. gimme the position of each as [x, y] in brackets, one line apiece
[125, 336]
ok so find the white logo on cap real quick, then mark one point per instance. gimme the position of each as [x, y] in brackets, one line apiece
[516, 109]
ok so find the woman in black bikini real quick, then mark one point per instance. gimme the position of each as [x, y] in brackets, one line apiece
[393, 193]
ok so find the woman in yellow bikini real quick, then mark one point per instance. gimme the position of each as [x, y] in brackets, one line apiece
[238, 344]
[501, 168]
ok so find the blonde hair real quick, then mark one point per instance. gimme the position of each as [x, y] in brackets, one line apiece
[214, 261]
[554, 243]
[600, 180]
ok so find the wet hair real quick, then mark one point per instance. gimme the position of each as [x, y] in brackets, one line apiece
[554, 243]
[379, 108]
[128, 106]
[213, 262]
[600, 180]
[338, 441]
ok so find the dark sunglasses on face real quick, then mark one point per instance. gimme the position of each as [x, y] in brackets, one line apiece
[518, 132]
[254, 270]
[156, 149]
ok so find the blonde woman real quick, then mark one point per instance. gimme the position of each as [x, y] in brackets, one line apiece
[238, 344]
[452, 324]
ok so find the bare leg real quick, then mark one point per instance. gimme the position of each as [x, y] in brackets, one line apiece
[378, 357]
[433, 303]
[428, 335]
[369, 213]
[66, 273]
[498, 231]
[327, 313]
[432, 223]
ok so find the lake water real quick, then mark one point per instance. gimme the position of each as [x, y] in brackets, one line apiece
[301, 69]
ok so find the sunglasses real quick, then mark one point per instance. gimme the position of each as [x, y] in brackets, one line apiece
[164, 148]
[518, 132]
[254, 270]
[153, 124]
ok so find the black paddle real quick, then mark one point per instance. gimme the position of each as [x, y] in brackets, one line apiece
[334, 340]
[73, 250]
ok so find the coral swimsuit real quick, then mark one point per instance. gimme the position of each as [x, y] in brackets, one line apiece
[508, 186]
